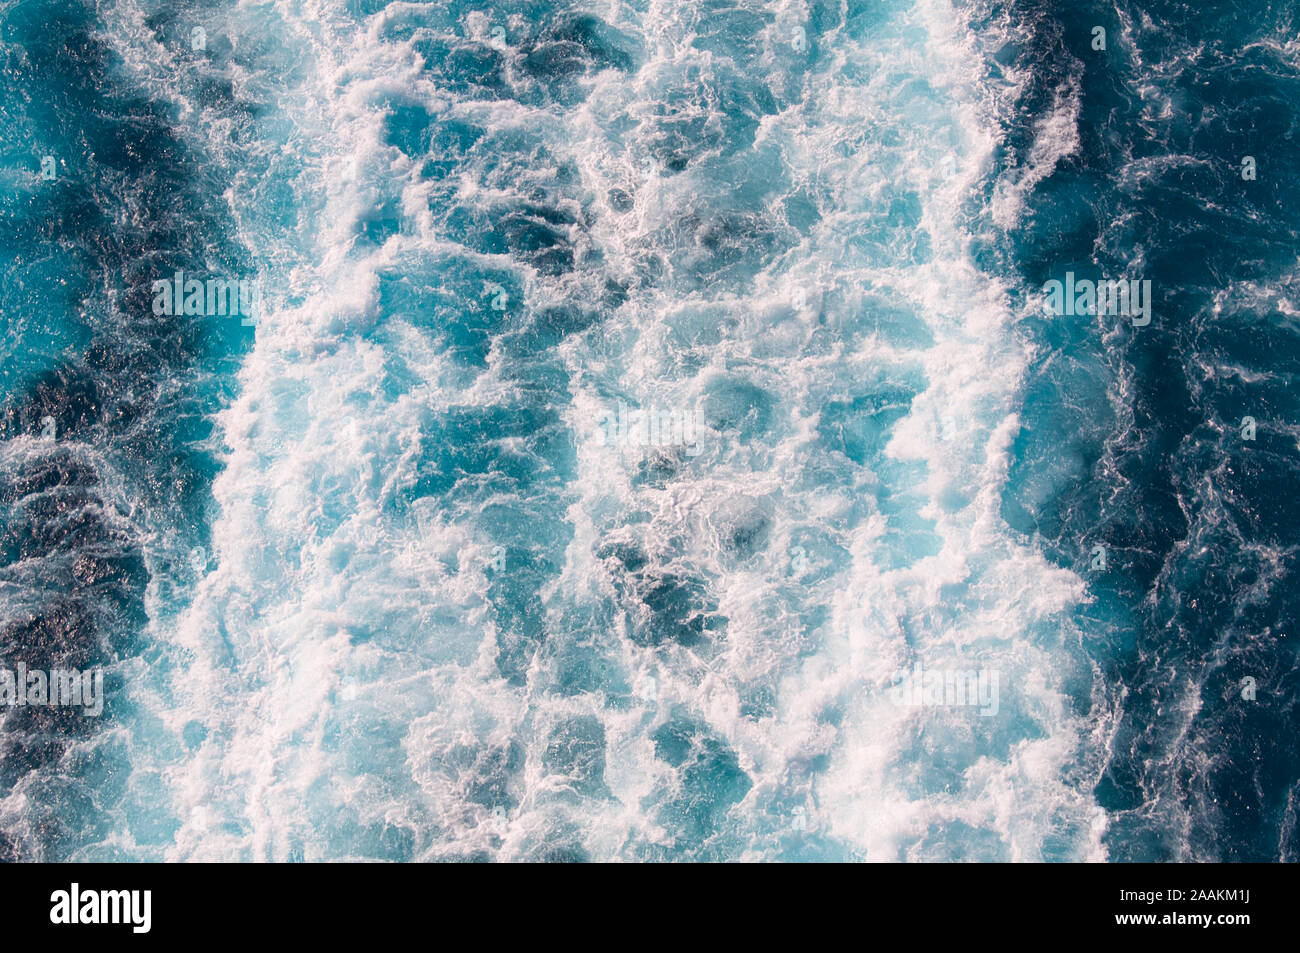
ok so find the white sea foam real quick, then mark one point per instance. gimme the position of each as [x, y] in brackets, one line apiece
[341, 654]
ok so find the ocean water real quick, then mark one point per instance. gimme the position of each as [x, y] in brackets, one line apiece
[637, 395]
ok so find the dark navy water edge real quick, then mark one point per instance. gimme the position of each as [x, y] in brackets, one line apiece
[657, 431]
[1184, 176]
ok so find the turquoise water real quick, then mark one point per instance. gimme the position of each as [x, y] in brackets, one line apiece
[372, 577]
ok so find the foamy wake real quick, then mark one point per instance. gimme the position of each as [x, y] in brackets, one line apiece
[359, 675]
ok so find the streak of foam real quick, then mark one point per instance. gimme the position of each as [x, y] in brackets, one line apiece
[338, 668]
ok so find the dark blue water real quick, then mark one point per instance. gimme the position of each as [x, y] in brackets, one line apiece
[1200, 523]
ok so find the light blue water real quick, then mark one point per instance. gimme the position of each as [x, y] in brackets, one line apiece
[435, 612]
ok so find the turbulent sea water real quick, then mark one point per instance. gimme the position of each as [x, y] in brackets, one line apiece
[376, 577]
